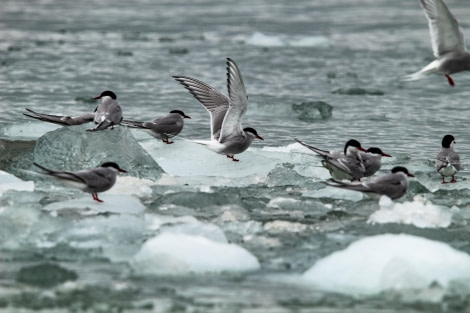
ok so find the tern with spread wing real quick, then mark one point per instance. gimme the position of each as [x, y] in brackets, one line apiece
[393, 185]
[108, 113]
[162, 127]
[227, 135]
[347, 165]
[447, 161]
[91, 180]
[447, 41]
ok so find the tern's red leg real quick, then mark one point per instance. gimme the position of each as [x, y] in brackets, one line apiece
[450, 80]
[95, 197]
[167, 141]
[233, 158]
[443, 180]
[453, 179]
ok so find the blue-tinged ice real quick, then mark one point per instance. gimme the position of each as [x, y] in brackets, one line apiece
[389, 262]
[74, 148]
[420, 212]
[11, 182]
[180, 254]
[263, 40]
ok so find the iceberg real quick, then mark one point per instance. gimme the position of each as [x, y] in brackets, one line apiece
[73, 148]
[11, 182]
[389, 262]
[181, 254]
[420, 213]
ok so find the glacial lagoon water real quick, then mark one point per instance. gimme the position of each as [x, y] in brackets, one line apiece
[187, 230]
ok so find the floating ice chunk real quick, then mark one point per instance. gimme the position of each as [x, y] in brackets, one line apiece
[128, 185]
[374, 264]
[262, 40]
[187, 225]
[335, 193]
[420, 212]
[87, 206]
[192, 162]
[179, 254]
[11, 182]
[73, 148]
[27, 131]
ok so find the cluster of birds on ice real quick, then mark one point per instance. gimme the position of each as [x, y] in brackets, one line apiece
[229, 138]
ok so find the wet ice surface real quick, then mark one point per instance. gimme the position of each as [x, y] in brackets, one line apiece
[187, 230]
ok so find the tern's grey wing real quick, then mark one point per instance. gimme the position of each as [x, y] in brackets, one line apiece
[171, 124]
[215, 102]
[392, 185]
[454, 159]
[61, 119]
[133, 124]
[314, 149]
[71, 176]
[97, 179]
[108, 113]
[446, 34]
[372, 163]
[441, 160]
[237, 104]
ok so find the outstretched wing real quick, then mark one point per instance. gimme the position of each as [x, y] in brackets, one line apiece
[215, 102]
[446, 34]
[61, 119]
[238, 102]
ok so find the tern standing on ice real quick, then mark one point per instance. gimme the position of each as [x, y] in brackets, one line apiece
[108, 113]
[393, 185]
[447, 160]
[162, 127]
[227, 135]
[347, 165]
[447, 41]
[91, 180]
[372, 160]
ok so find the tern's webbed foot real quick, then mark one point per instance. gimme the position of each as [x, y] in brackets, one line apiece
[233, 158]
[450, 80]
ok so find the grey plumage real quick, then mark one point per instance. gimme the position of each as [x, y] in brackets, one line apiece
[163, 127]
[92, 180]
[393, 185]
[447, 161]
[447, 41]
[347, 165]
[227, 135]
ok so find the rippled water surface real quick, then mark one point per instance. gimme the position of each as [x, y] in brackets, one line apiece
[320, 71]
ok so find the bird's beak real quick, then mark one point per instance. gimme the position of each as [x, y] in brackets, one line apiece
[97, 97]
[122, 171]
[386, 155]
[410, 175]
[259, 137]
[186, 116]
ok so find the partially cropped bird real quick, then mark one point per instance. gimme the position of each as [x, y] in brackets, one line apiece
[347, 165]
[92, 180]
[447, 161]
[227, 135]
[372, 160]
[448, 43]
[393, 185]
